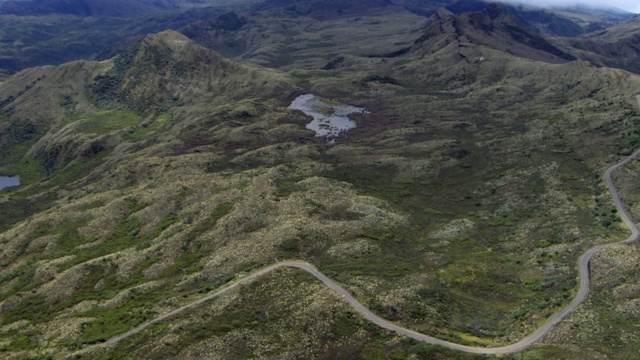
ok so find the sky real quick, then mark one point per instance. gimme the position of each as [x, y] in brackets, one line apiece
[629, 5]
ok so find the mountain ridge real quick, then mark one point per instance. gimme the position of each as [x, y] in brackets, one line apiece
[143, 79]
[494, 27]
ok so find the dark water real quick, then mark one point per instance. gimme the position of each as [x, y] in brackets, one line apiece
[7, 181]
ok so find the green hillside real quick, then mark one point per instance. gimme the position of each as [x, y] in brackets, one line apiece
[458, 207]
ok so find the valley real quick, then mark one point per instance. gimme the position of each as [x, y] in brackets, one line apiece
[456, 211]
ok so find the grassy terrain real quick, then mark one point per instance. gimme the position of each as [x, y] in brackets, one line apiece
[606, 324]
[458, 206]
[224, 324]
[106, 121]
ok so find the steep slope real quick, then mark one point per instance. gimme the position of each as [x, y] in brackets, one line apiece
[588, 19]
[615, 47]
[285, 34]
[553, 21]
[494, 27]
[283, 38]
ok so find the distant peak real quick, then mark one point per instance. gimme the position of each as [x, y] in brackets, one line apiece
[493, 27]
[495, 10]
[170, 39]
[168, 36]
[442, 13]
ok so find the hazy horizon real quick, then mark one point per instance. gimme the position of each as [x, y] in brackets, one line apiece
[628, 5]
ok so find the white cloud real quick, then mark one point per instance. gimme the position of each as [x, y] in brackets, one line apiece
[629, 5]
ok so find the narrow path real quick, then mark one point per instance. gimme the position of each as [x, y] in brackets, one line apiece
[583, 290]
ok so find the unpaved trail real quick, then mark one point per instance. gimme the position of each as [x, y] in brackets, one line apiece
[581, 295]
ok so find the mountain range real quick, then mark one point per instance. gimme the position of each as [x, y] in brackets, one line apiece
[161, 161]
[93, 30]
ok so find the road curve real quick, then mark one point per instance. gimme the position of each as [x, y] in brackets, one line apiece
[583, 268]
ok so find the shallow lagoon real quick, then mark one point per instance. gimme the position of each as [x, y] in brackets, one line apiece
[329, 120]
[8, 181]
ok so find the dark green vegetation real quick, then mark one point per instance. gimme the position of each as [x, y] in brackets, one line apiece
[458, 206]
[325, 318]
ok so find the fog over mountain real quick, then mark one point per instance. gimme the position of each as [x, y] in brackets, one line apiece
[628, 5]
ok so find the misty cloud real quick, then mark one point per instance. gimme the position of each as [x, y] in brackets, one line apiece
[629, 5]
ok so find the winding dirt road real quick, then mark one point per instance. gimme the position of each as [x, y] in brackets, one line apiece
[583, 268]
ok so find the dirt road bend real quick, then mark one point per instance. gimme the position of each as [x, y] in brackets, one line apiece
[581, 295]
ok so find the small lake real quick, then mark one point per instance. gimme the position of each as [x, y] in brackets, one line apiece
[8, 181]
[329, 120]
